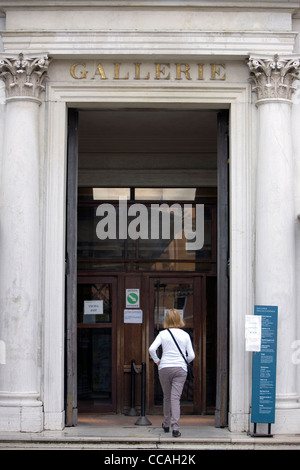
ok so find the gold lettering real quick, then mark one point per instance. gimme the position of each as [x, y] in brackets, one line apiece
[83, 73]
[200, 71]
[216, 72]
[163, 71]
[137, 73]
[159, 70]
[117, 73]
[185, 71]
[101, 72]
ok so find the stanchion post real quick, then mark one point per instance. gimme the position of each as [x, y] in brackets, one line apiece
[143, 420]
[132, 411]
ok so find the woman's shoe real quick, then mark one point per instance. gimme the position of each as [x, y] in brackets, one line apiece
[166, 429]
[176, 434]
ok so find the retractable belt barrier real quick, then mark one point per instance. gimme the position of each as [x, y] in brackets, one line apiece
[142, 420]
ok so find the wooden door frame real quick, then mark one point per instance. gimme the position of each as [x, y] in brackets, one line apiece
[222, 392]
[71, 272]
[113, 280]
[199, 344]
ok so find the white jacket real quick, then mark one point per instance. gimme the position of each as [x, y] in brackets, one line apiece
[171, 357]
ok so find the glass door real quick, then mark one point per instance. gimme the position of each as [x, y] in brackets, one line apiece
[96, 359]
[184, 294]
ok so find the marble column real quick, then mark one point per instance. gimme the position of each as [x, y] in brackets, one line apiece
[275, 271]
[20, 272]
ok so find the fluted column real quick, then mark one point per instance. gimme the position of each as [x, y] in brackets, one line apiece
[275, 271]
[20, 316]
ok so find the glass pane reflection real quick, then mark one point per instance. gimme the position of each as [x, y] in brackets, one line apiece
[97, 296]
[181, 297]
[94, 375]
[89, 246]
[165, 194]
[145, 235]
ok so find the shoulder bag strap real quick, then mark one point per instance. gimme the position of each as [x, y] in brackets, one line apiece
[177, 346]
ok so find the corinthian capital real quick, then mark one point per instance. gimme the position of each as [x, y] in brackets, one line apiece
[273, 77]
[24, 76]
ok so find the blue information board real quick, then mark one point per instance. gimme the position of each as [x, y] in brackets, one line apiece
[264, 367]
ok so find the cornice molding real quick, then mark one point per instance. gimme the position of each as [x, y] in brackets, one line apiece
[199, 4]
[62, 44]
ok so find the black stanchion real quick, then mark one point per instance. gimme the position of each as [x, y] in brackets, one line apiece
[132, 411]
[143, 420]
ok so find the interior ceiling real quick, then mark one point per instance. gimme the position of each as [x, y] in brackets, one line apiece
[147, 148]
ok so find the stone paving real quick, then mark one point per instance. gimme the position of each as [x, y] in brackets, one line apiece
[108, 432]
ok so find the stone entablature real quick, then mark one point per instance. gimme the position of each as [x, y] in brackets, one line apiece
[177, 44]
[158, 15]
[140, 27]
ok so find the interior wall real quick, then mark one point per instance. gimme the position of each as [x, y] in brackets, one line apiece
[172, 147]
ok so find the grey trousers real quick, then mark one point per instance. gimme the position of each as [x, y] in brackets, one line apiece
[172, 380]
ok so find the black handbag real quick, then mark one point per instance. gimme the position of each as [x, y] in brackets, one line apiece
[190, 374]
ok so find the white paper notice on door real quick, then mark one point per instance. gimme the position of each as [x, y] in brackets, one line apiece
[93, 307]
[253, 332]
[133, 316]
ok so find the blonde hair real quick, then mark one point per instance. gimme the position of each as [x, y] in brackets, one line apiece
[173, 319]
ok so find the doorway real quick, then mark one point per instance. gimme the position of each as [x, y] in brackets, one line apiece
[194, 297]
[106, 338]
[147, 277]
[108, 341]
[96, 339]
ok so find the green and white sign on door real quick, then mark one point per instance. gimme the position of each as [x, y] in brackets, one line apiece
[132, 298]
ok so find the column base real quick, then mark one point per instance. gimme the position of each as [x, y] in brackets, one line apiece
[287, 414]
[287, 421]
[287, 401]
[21, 413]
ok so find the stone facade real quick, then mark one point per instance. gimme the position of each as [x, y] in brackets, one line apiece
[62, 54]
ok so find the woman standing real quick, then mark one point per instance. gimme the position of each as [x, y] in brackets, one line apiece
[172, 368]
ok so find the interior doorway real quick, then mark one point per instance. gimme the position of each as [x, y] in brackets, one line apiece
[147, 156]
